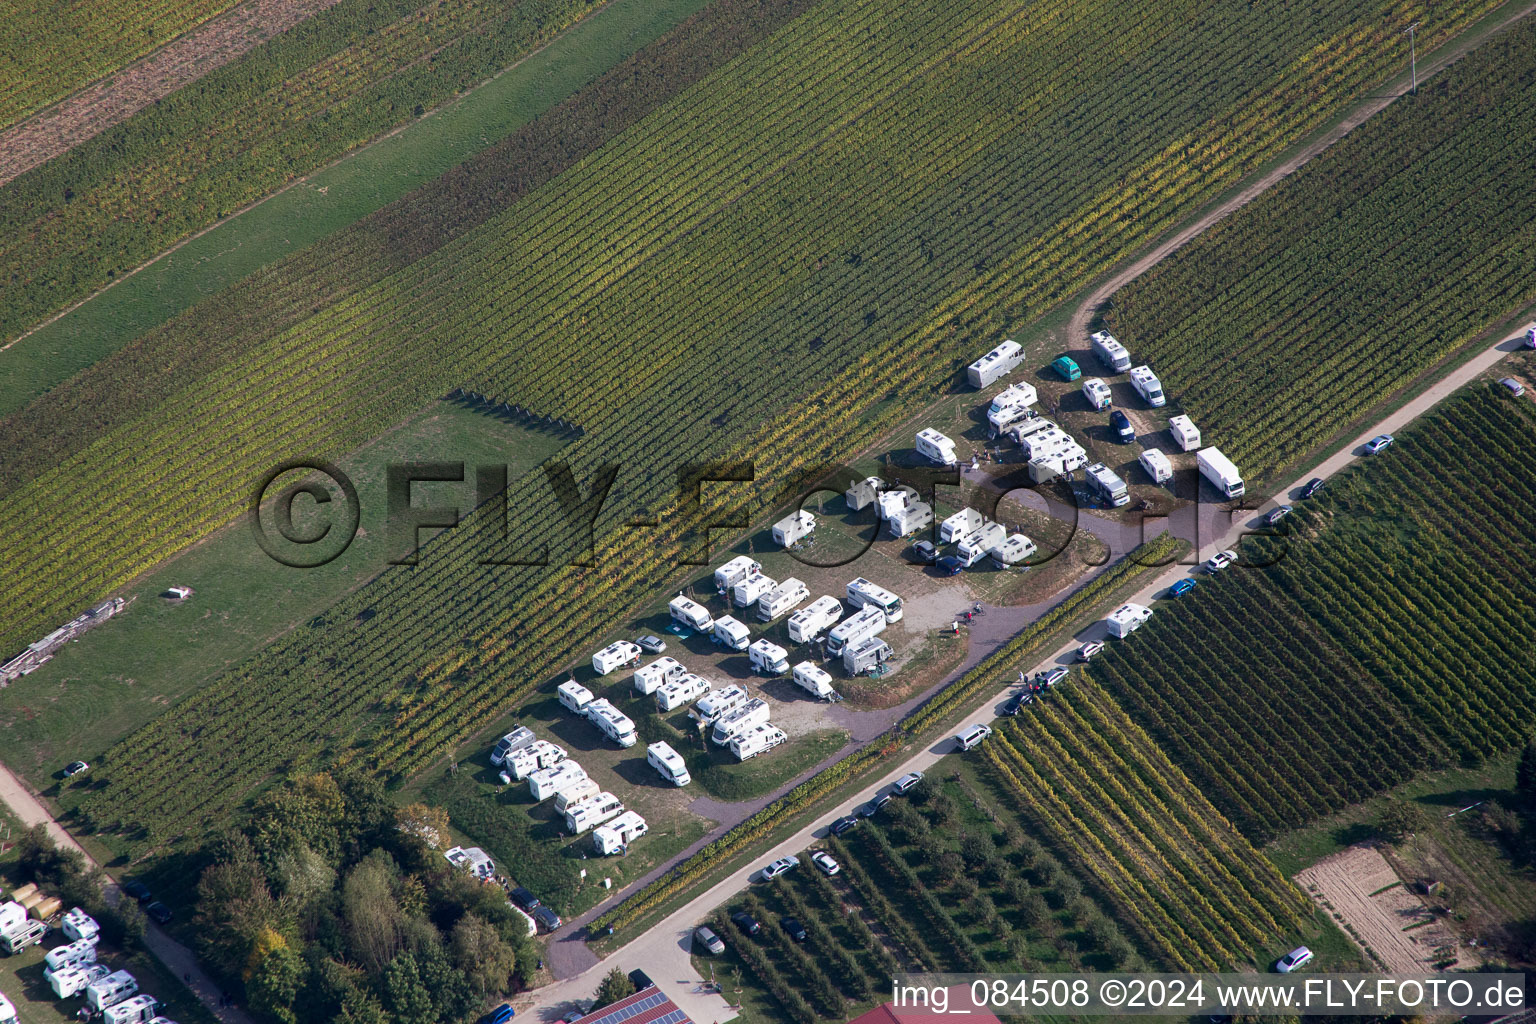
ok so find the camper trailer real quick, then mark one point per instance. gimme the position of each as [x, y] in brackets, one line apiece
[77, 924]
[611, 722]
[910, 518]
[1106, 483]
[996, 364]
[864, 493]
[759, 739]
[866, 656]
[783, 598]
[539, 754]
[856, 628]
[864, 594]
[734, 571]
[81, 951]
[960, 526]
[1157, 465]
[768, 658]
[1148, 386]
[12, 914]
[1013, 551]
[592, 811]
[575, 793]
[732, 633]
[894, 499]
[111, 990]
[1220, 471]
[71, 981]
[814, 619]
[1126, 619]
[793, 528]
[975, 547]
[1028, 428]
[684, 689]
[716, 705]
[472, 859]
[515, 740]
[815, 680]
[573, 696]
[689, 614]
[650, 678]
[1010, 406]
[136, 1010]
[616, 836]
[1097, 393]
[936, 448]
[1061, 463]
[546, 782]
[615, 655]
[1110, 352]
[746, 593]
[750, 713]
[668, 763]
[1185, 434]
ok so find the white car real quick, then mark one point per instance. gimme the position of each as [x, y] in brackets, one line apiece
[1294, 960]
[823, 860]
[973, 735]
[1220, 560]
[1089, 650]
[1377, 444]
[780, 866]
[907, 781]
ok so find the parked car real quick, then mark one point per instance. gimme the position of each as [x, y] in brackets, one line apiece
[793, 928]
[500, 1015]
[1378, 444]
[824, 860]
[1067, 368]
[76, 768]
[746, 922]
[779, 867]
[640, 980]
[1313, 486]
[972, 736]
[874, 807]
[1120, 423]
[1220, 560]
[523, 898]
[923, 553]
[950, 565]
[1277, 514]
[843, 824]
[1513, 386]
[1090, 650]
[1052, 677]
[159, 913]
[908, 782]
[709, 940]
[546, 918]
[1016, 703]
[138, 890]
[1294, 960]
[1181, 588]
[651, 644]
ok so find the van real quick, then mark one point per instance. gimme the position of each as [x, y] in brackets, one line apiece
[768, 658]
[7, 1011]
[935, 447]
[689, 614]
[515, 740]
[719, 703]
[1066, 367]
[573, 696]
[669, 764]
[973, 735]
[1148, 386]
[995, 364]
[591, 812]
[754, 712]
[975, 547]
[732, 633]
[864, 594]
[1110, 352]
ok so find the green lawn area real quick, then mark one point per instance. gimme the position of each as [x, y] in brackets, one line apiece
[128, 670]
[333, 197]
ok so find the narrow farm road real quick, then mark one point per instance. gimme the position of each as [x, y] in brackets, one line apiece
[178, 959]
[1077, 327]
[663, 950]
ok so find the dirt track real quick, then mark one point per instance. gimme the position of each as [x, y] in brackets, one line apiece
[91, 111]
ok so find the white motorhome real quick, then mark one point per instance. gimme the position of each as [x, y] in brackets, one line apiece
[689, 614]
[997, 363]
[975, 547]
[793, 528]
[1148, 386]
[539, 754]
[910, 518]
[864, 594]
[1157, 465]
[20, 936]
[783, 598]
[652, 677]
[866, 656]
[592, 811]
[1011, 405]
[1050, 439]
[1220, 471]
[615, 655]
[1028, 428]
[472, 859]
[1126, 619]
[611, 722]
[759, 739]
[1185, 434]
[863, 493]
[575, 793]
[1013, 551]
[753, 712]
[77, 924]
[936, 448]
[895, 499]
[1097, 393]
[669, 764]
[714, 706]
[768, 658]
[815, 680]
[685, 689]
[618, 834]
[515, 740]
[856, 628]
[111, 990]
[70, 981]
[573, 696]
[546, 782]
[960, 526]
[137, 1010]
[732, 633]
[734, 571]
[81, 951]
[1067, 460]
[746, 593]
[815, 618]
[1106, 483]
[1110, 352]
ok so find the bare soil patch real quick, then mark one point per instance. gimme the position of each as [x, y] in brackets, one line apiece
[1365, 895]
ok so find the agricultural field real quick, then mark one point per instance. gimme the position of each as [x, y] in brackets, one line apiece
[1400, 590]
[1279, 326]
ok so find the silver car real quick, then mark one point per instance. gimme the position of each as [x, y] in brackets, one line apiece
[709, 940]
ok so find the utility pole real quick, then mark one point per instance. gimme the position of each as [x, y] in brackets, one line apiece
[1413, 55]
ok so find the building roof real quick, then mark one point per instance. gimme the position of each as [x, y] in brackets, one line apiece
[648, 1006]
[959, 999]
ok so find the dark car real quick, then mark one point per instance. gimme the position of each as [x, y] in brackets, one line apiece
[843, 824]
[523, 898]
[923, 553]
[1016, 703]
[874, 806]
[1277, 515]
[138, 890]
[793, 928]
[640, 980]
[500, 1015]
[1120, 423]
[1313, 486]
[950, 565]
[158, 912]
[1181, 588]
[546, 918]
[651, 644]
[746, 922]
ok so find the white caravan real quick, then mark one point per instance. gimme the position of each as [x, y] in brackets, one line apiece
[1110, 352]
[863, 493]
[975, 547]
[592, 811]
[734, 571]
[536, 755]
[783, 598]
[960, 526]
[1157, 465]
[689, 614]
[715, 706]
[575, 794]
[573, 696]
[753, 712]
[683, 690]
[1185, 434]
[910, 518]
[997, 363]
[746, 593]
[866, 656]
[732, 632]
[815, 680]
[137, 1010]
[768, 658]
[669, 764]
[814, 619]
[77, 924]
[618, 834]
[1148, 386]
[81, 951]
[864, 594]
[111, 990]
[759, 739]
[472, 859]
[1013, 551]
[612, 722]
[652, 677]
[517, 739]
[615, 655]
[793, 528]
[1097, 393]
[935, 447]
[855, 629]
[546, 782]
